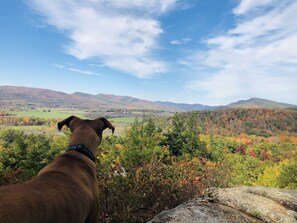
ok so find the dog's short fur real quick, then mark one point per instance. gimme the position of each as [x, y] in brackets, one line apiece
[65, 190]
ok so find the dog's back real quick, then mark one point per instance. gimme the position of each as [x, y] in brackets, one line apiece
[62, 192]
[66, 189]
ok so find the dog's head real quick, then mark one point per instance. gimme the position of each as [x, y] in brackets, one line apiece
[86, 132]
[98, 125]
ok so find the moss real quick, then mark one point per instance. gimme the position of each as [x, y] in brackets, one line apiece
[255, 213]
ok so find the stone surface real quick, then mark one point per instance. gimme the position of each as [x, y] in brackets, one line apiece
[236, 205]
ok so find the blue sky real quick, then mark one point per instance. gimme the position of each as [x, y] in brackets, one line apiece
[201, 51]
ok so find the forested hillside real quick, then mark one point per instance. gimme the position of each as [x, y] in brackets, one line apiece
[259, 103]
[261, 122]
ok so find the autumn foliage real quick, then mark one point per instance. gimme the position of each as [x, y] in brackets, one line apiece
[161, 163]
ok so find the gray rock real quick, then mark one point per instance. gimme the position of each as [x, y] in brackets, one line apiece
[236, 205]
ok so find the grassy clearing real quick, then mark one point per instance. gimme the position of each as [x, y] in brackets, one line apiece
[127, 120]
[121, 123]
[120, 129]
[49, 115]
[53, 130]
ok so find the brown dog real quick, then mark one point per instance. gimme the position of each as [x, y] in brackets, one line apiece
[65, 190]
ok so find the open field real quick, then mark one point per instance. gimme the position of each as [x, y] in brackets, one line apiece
[52, 130]
[34, 129]
[50, 127]
[49, 115]
[127, 120]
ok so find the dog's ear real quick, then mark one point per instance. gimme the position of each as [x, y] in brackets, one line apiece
[66, 122]
[106, 123]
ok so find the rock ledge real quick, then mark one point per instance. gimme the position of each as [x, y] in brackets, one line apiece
[236, 205]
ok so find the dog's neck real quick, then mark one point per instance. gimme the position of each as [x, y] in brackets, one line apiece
[84, 150]
[90, 139]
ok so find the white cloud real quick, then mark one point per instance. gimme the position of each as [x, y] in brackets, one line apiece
[180, 42]
[142, 6]
[251, 5]
[175, 42]
[119, 34]
[257, 58]
[87, 72]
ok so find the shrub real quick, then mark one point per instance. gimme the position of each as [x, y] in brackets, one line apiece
[288, 176]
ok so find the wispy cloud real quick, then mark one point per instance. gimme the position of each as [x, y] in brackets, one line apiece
[258, 57]
[87, 72]
[180, 42]
[121, 35]
[246, 6]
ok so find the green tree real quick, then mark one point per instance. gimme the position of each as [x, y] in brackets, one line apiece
[270, 175]
[217, 150]
[36, 153]
[9, 136]
[183, 137]
[242, 170]
[58, 145]
[142, 142]
[29, 153]
[288, 176]
[14, 153]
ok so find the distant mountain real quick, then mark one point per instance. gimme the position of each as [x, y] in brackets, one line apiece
[36, 97]
[186, 107]
[259, 103]
[121, 102]
[11, 96]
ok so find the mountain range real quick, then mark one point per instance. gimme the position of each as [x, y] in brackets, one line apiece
[37, 97]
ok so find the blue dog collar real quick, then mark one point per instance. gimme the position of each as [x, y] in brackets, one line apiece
[84, 150]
